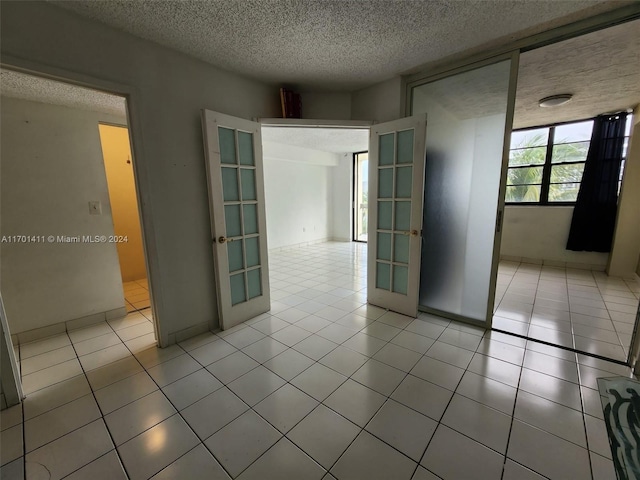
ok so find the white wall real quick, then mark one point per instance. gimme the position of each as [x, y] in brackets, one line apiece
[298, 202]
[52, 168]
[170, 89]
[380, 102]
[326, 106]
[541, 233]
[626, 242]
[342, 213]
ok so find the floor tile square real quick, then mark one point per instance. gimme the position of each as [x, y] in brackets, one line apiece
[424, 397]
[379, 377]
[242, 441]
[367, 458]
[289, 364]
[286, 407]
[398, 357]
[440, 373]
[324, 435]
[318, 381]
[402, 428]
[283, 460]
[355, 402]
[443, 456]
[256, 385]
[213, 412]
[197, 464]
[231, 367]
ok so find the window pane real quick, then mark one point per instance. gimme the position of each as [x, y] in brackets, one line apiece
[563, 192]
[404, 182]
[250, 213]
[384, 215]
[232, 220]
[567, 173]
[524, 175]
[237, 288]
[573, 132]
[383, 276]
[255, 285]
[245, 148]
[252, 251]
[527, 156]
[403, 216]
[386, 149]
[405, 146]
[401, 248]
[523, 193]
[570, 152]
[230, 184]
[234, 250]
[385, 182]
[384, 246]
[248, 181]
[400, 279]
[227, 141]
[530, 138]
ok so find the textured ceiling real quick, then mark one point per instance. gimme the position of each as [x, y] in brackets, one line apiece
[601, 70]
[332, 44]
[38, 89]
[334, 140]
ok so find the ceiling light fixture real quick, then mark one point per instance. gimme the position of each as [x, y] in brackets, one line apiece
[555, 100]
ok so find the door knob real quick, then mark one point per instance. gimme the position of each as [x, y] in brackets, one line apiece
[222, 239]
[414, 233]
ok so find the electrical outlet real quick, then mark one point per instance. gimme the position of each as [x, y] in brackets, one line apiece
[95, 208]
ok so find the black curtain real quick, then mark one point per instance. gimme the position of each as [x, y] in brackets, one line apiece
[594, 215]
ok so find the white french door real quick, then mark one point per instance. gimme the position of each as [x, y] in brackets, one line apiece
[396, 182]
[233, 150]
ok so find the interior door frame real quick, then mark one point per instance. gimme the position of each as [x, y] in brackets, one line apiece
[514, 57]
[141, 175]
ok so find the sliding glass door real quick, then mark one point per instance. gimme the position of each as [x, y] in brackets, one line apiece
[469, 115]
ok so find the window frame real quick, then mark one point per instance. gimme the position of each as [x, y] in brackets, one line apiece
[546, 166]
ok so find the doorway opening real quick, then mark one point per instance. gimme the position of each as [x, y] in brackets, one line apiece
[55, 187]
[116, 152]
[360, 196]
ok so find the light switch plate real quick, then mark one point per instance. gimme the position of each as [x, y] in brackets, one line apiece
[95, 208]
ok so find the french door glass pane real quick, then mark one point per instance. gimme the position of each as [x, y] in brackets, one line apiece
[245, 148]
[254, 283]
[400, 279]
[384, 246]
[384, 215]
[230, 184]
[383, 276]
[248, 180]
[227, 141]
[385, 153]
[234, 250]
[385, 182]
[232, 220]
[405, 146]
[252, 251]
[237, 289]
[250, 212]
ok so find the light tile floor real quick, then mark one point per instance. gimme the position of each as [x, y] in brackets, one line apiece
[136, 294]
[322, 387]
[581, 309]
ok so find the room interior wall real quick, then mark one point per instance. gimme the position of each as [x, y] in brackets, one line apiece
[116, 152]
[169, 91]
[625, 252]
[326, 105]
[380, 102]
[51, 169]
[299, 192]
[540, 233]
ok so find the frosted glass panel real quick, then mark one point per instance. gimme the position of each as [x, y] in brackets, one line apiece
[403, 216]
[237, 288]
[403, 182]
[245, 148]
[383, 276]
[401, 248]
[255, 285]
[227, 141]
[250, 219]
[400, 279]
[232, 220]
[405, 146]
[386, 149]
[385, 183]
[384, 246]
[235, 255]
[465, 134]
[252, 248]
[230, 184]
[384, 215]
[248, 181]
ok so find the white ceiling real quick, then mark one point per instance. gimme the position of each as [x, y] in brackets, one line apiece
[334, 140]
[332, 44]
[601, 70]
[38, 89]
